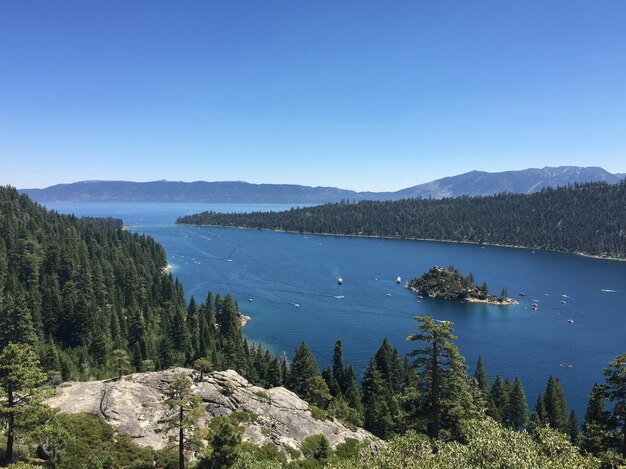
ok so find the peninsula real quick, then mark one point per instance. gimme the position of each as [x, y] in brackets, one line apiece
[450, 284]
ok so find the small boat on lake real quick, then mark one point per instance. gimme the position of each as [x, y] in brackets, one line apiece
[399, 280]
[339, 281]
[570, 321]
[522, 293]
[388, 294]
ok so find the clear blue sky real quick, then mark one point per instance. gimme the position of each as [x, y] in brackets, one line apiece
[356, 94]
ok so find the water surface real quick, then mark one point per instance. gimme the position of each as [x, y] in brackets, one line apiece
[279, 270]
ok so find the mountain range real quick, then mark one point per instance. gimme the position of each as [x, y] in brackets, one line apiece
[474, 183]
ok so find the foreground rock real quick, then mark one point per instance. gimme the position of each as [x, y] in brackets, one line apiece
[134, 406]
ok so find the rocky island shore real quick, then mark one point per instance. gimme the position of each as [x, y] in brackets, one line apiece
[450, 284]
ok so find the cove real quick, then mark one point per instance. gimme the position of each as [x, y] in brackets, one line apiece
[278, 270]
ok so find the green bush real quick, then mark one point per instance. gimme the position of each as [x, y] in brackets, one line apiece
[316, 447]
[318, 414]
[262, 395]
[241, 416]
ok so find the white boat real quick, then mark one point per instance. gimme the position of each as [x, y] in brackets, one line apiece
[570, 321]
[388, 294]
[296, 305]
[398, 280]
[339, 281]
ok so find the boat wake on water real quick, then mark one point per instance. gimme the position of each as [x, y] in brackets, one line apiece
[606, 290]
[307, 293]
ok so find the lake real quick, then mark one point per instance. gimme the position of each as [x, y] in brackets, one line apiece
[279, 270]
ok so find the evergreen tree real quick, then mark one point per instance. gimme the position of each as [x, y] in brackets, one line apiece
[389, 364]
[338, 367]
[440, 362]
[193, 326]
[224, 443]
[120, 360]
[518, 408]
[556, 405]
[179, 337]
[274, 375]
[339, 408]
[183, 411]
[457, 405]
[481, 374]
[377, 400]
[202, 366]
[21, 381]
[318, 392]
[615, 392]
[331, 382]
[303, 373]
[230, 333]
[597, 428]
[352, 394]
[573, 428]
[52, 358]
[16, 324]
[539, 416]
[499, 400]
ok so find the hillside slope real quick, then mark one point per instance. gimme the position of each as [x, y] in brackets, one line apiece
[473, 183]
[588, 218]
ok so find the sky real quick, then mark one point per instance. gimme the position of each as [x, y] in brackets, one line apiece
[355, 94]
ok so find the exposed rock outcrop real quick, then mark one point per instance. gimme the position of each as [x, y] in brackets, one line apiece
[134, 405]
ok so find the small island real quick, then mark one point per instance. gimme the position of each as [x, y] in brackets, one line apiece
[449, 284]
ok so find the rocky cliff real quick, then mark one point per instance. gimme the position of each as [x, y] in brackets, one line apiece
[134, 405]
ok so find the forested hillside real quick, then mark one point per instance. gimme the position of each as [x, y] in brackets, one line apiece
[587, 218]
[79, 289]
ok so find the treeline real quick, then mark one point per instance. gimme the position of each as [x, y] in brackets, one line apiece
[425, 405]
[588, 218]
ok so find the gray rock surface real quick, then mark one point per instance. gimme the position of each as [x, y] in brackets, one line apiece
[134, 405]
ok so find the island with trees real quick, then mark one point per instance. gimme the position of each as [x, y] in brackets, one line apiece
[450, 284]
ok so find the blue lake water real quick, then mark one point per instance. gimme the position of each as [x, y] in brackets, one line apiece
[278, 270]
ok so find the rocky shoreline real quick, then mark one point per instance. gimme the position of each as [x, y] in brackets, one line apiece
[244, 319]
[487, 301]
[493, 301]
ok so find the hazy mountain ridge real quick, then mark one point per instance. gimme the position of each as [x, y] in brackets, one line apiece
[474, 183]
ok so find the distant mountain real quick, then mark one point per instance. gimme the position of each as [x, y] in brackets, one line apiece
[473, 183]
[525, 181]
[199, 191]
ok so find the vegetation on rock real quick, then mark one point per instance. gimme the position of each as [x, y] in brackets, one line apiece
[450, 284]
